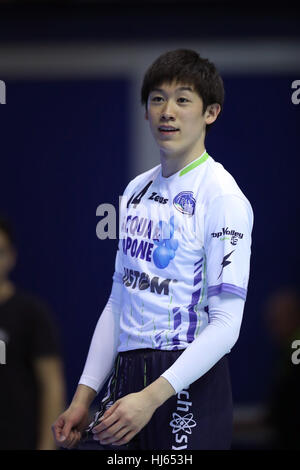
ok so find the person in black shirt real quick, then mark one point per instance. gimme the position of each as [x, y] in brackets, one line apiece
[32, 387]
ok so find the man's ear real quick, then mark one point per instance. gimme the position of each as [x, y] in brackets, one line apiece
[212, 112]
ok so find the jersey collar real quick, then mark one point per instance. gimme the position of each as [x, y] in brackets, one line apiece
[189, 167]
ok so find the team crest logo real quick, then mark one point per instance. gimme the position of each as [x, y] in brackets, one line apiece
[185, 202]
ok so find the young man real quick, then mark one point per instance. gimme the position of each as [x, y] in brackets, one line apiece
[179, 286]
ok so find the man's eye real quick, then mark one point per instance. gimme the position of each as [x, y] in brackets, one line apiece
[159, 98]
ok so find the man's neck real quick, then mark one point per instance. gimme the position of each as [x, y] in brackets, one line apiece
[7, 289]
[172, 163]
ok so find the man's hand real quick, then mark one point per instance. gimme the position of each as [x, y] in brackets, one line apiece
[69, 425]
[127, 416]
[124, 419]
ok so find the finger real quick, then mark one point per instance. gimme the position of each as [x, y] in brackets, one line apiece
[73, 439]
[111, 431]
[77, 438]
[106, 423]
[110, 410]
[125, 439]
[57, 428]
[115, 437]
[66, 430]
[69, 440]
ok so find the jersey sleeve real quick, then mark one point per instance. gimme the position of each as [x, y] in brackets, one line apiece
[227, 241]
[119, 269]
[104, 344]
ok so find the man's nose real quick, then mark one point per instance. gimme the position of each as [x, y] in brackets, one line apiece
[168, 112]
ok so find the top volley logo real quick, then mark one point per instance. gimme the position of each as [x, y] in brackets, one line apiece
[185, 202]
[166, 244]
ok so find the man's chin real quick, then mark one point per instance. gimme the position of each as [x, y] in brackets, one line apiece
[170, 153]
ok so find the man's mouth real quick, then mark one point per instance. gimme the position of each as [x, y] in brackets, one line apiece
[168, 129]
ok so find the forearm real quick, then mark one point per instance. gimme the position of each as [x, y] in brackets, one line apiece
[84, 395]
[51, 404]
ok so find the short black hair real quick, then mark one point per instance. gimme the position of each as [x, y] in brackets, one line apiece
[6, 227]
[185, 66]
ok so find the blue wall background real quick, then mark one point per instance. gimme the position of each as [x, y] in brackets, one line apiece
[64, 147]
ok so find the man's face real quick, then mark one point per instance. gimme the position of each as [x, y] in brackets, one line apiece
[7, 257]
[179, 106]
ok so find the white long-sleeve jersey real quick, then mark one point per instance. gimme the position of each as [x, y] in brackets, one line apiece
[183, 259]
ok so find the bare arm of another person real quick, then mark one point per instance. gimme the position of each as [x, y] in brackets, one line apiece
[50, 379]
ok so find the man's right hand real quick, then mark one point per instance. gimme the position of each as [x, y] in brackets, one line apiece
[68, 427]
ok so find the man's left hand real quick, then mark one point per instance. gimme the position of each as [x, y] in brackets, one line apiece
[124, 419]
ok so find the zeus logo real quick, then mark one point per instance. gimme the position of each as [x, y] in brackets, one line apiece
[225, 262]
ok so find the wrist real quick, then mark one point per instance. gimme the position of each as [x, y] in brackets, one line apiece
[159, 391]
[83, 396]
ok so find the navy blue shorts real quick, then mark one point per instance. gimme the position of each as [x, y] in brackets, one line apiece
[199, 417]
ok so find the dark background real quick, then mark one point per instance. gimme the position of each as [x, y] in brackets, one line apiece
[61, 158]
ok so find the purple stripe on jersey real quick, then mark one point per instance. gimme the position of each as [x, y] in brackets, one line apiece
[197, 269]
[177, 317]
[176, 341]
[198, 278]
[193, 316]
[195, 299]
[157, 336]
[230, 288]
[177, 323]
